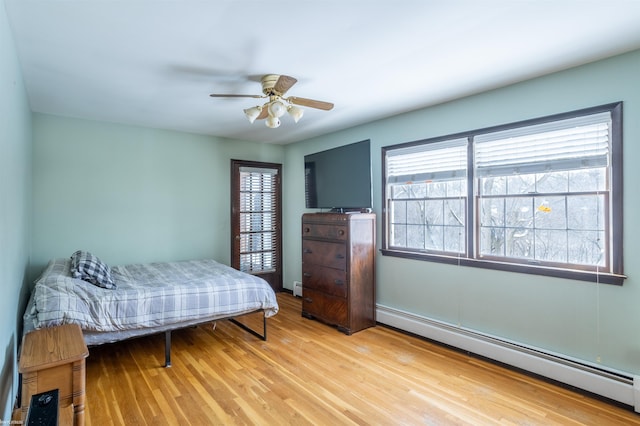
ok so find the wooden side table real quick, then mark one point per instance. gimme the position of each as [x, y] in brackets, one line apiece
[54, 358]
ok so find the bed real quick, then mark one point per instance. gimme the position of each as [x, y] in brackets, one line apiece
[121, 302]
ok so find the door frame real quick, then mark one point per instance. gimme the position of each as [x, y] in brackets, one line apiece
[273, 278]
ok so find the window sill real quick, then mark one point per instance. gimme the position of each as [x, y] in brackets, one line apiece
[572, 274]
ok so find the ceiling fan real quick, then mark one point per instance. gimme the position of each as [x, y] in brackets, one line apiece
[274, 87]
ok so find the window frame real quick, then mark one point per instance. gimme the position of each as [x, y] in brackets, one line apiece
[615, 275]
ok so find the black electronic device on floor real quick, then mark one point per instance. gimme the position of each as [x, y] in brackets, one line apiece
[43, 409]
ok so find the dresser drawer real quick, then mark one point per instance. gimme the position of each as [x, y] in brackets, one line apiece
[331, 309]
[327, 231]
[327, 280]
[332, 255]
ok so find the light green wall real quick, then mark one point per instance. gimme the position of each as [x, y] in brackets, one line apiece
[15, 208]
[132, 194]
[595, 323]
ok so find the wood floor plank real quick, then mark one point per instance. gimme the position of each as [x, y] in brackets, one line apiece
[308, 373]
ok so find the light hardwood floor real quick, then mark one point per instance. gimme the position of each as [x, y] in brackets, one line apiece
[309, 373]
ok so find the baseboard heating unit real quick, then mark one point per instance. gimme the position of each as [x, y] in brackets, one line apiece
[610, 384]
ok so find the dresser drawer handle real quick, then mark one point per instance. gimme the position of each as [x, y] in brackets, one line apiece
[307, 251]
[341, 232]
[308, 299]
[307, 229]
[339, 282]
[306, 275]
[339, 256]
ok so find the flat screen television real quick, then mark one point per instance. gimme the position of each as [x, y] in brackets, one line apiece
[339, 178]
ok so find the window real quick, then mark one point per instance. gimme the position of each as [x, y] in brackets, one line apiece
[542, 196]
[428, 196]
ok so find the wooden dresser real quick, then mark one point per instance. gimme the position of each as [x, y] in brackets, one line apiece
[338, 269]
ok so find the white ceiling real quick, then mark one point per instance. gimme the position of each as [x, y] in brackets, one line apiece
[154, 62]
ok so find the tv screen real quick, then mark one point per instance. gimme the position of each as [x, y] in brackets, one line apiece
[339, 178]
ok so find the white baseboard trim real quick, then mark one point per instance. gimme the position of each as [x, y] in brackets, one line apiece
[614, 385]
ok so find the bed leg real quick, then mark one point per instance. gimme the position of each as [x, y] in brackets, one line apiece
[167, 348]
[264, 327]
[262, 336]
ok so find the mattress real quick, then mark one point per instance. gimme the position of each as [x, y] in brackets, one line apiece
[151, 296]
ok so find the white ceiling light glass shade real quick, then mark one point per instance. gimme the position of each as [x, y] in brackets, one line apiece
[253, 113]
[295, 112]
[274, 109]
[272, 122]
[277, 109]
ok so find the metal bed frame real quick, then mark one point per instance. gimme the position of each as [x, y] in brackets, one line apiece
[263, 336]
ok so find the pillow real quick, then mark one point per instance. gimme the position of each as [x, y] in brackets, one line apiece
[90, 268]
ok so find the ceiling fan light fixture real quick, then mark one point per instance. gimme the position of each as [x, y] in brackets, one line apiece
[272, 122]
[295, 112]
[274, 87]
[253, 113]
[277, 109]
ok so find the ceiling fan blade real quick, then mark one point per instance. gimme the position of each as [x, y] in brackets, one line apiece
[223, 95]
[264, 113]
[310, 103]
[283, 84]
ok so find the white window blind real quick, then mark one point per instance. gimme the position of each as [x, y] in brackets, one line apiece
[428, 162]
[256, 172]
[258, 238]
[581, 142]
